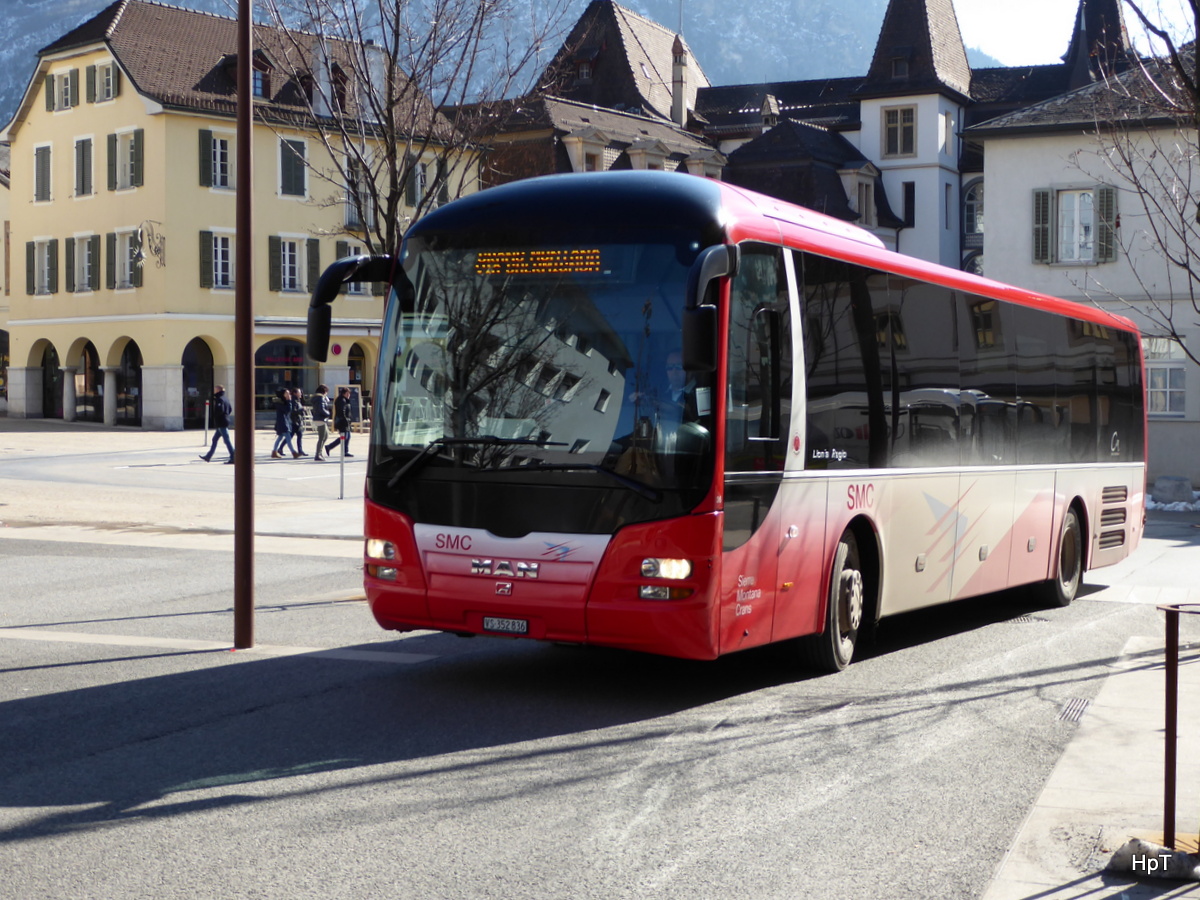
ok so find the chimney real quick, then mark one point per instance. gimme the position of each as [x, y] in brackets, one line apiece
[679, 83]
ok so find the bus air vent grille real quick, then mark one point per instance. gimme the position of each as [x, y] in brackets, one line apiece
[1110, 539]
[1112, 517]
[1115, 494]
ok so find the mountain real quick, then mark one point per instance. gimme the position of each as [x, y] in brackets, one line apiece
[758, 41]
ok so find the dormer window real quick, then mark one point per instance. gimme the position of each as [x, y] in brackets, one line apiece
[899, 67]
[260, 83]
[585, 71]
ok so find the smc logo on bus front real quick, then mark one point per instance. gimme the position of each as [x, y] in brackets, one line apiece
[860, 496]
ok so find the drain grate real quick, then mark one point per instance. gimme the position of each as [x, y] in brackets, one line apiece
[1027, 619]
[1074, 710]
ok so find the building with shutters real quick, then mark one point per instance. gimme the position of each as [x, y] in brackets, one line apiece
[123, 154]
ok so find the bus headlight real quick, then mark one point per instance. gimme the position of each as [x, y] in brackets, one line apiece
[379, 549]
[674, 569]
[387, 573]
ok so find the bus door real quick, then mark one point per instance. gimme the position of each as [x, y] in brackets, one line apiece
[758, 402]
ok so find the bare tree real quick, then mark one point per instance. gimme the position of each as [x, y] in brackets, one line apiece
[1147, 126]
[393, 90]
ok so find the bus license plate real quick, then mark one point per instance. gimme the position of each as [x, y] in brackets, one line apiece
[507, 626]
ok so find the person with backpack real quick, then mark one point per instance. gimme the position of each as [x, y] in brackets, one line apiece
[341, 422]
[297, 415]
[221, 411]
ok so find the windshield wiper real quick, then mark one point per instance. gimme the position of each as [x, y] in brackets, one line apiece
[485, 440]
[638, 487]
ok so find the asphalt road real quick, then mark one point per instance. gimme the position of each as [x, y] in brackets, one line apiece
[140, 758]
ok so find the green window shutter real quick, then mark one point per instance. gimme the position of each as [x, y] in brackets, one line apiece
[443, 182]
[112, 162]
[83, 167]
[110, 260]
[275, 263]
[41, 178]
[291, 167]
[379, 288]
[1106, 224]
[94, 274]
[412, 194]
[206, 160]
[1042, 225]
[30, 268]
[70, 269]
[341, 251]
[49, 88]
[91, 84]
[116, 79]
[52, 252]
[206, 259]
[74, 77]
[314, 262]
[136, 150]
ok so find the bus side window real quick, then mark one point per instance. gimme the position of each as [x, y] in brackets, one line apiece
[760, 385]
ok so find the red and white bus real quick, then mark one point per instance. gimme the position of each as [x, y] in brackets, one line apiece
[658, 412]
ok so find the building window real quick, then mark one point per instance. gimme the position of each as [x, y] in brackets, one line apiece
[41, 174]
[103, 82]
[83, 167]
[83, 264]
[294, 263]
[343, 250]
[415, 184]
[216, 160]
[1077, 225]
[124, 271]
[62, 91]
[866, 204]
[260, 83]
[899, 67]
[41, 267]
[216, 260]
[292, 172]
[125, 160]
[973, 209]
[360, 202]
[900, 131]
[1165, 378]
[585, 71]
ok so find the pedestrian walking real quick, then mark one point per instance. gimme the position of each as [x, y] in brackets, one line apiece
[221, 410]
[341, 422]
[297, 414]
[322, 412]
[283, 424]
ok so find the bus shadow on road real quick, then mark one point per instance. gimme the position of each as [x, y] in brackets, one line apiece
[236, 729]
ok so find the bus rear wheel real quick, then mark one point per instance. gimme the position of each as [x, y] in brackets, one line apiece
[832, 650]
[1068, 568]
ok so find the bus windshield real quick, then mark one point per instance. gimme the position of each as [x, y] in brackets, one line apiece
[564, 359]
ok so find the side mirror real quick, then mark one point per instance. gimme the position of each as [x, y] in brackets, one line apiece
[700, 321]
[320, 315]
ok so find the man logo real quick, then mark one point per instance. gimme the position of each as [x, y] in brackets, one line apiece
[503, 568]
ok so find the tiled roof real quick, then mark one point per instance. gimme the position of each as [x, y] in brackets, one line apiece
[1128, 98]
[828, 101]
[186, 59]
[633, 62]
[923, 33]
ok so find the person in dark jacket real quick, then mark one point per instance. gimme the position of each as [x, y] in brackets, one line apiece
[297, 414]
[283, 424]
[341, 421]
[322, 412]
[220, 411]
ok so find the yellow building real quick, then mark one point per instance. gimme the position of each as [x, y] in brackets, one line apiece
[123, 172]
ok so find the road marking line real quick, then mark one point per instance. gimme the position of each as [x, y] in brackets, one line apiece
[161, 643]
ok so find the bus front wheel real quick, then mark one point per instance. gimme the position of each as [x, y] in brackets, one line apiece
[832, 650]
[1068, 566]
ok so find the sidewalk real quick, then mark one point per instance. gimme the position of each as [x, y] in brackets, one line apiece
[83, 476]
[1108, 786]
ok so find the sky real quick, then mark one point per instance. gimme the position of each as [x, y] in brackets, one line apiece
[1037, 32]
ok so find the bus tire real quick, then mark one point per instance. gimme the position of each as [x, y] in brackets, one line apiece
[832, 650]
[1068, 564]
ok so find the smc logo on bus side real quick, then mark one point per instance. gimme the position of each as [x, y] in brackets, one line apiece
[860, 496]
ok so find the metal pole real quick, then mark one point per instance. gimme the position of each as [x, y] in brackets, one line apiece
[243, 481]
[1172, 727]
[207, 403]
